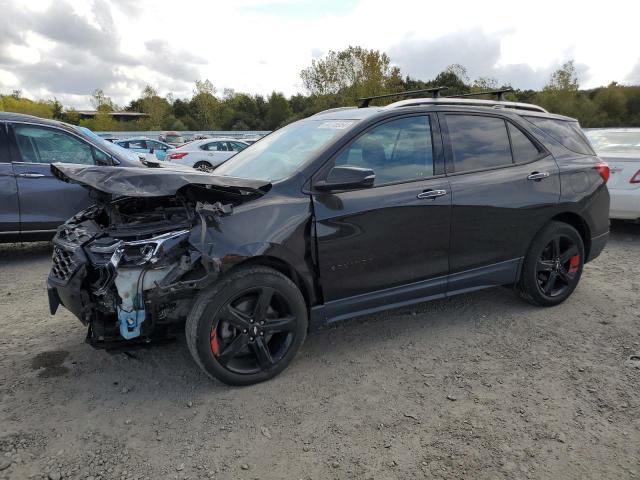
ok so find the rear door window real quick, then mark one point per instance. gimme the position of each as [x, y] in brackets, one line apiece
[568, 133]
[478, 142]
[48, 145]
[237, 146]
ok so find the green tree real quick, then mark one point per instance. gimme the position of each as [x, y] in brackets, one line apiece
[17, 104]
[101, 102]
[72, 116]
[561, 95]
[156, 107]
[278, 111]
[351, 74]
[205, 105]
[102, 122]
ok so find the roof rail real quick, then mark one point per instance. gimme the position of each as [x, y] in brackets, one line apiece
[498, 93]
[336, 109]
[466, 102]
[435, 92]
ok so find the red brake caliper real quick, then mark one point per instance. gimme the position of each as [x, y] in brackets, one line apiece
[215, 348]
[574, 264]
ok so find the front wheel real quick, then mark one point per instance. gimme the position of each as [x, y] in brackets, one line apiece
[247, 327]
[553, 265]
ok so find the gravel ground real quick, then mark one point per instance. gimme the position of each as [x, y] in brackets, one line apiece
[478, 386]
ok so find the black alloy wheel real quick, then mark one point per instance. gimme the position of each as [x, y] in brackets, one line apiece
[553, 265]
[557, 266]
[253, 331]
[248, 326]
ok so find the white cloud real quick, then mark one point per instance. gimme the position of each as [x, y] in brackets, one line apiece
[256, 46]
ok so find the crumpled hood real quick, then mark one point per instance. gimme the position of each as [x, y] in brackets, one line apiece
[148, 182]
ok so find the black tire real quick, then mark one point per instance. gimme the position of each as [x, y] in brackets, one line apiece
[203, 166]
[553, 265]
[224, 333]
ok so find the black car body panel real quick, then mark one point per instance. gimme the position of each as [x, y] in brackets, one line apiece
[350, 252]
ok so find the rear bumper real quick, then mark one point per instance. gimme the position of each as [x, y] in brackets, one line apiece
[597, 245]
[625, 204]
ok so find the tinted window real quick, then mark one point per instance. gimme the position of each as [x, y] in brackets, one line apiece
[524, 150]
[47, 145]
[567, 133]
[238, 147]
[155, 145]
[395, 151]
[101, 157]
[478, 142]
[137, 144]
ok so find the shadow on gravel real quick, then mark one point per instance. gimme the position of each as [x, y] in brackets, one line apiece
[625, 231]
[19, 252]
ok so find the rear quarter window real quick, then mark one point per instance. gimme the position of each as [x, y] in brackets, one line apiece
[524, 150]
[568, 133]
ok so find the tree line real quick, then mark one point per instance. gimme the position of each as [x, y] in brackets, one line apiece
[338, 79]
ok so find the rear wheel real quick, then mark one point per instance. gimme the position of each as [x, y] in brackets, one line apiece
[203, 166]
[248, 327]
[553, 265]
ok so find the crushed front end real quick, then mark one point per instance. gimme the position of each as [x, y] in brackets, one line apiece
[130, 266]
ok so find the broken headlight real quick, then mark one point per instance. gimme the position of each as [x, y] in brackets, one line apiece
[139, 252]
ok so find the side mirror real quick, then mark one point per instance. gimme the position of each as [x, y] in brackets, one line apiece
[347, 177]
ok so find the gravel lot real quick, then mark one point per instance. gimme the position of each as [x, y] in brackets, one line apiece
[478, 386]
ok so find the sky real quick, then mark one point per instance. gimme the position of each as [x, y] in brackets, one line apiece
[68, 48]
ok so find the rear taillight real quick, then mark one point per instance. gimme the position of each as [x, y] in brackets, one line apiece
[603, 170]
[177, 156]
[635, 178]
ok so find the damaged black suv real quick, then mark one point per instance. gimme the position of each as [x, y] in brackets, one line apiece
[348, 212]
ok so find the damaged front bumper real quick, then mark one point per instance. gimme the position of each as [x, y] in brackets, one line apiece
[123, 290]
[130, 266]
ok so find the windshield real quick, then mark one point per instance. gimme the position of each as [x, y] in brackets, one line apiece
[281, 153]
[174, 139]
[616, 142]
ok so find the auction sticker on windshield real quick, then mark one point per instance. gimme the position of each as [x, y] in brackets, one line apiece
[336, 125]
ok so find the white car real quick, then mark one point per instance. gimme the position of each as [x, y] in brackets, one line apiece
[206, 154]
[620, 148]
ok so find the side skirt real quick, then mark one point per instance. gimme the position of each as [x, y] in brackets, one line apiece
[497, 274]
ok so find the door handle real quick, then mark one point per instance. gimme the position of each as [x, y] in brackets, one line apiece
[30, 175]
[537, 176]
[431, 194]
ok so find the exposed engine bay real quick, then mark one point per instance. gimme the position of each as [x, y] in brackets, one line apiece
[130, 266]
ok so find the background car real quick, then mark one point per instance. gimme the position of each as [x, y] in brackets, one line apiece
[173, 138]
[32, 201]
[146, 145]
[112, 146]
[620, 148]
[207, 154]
